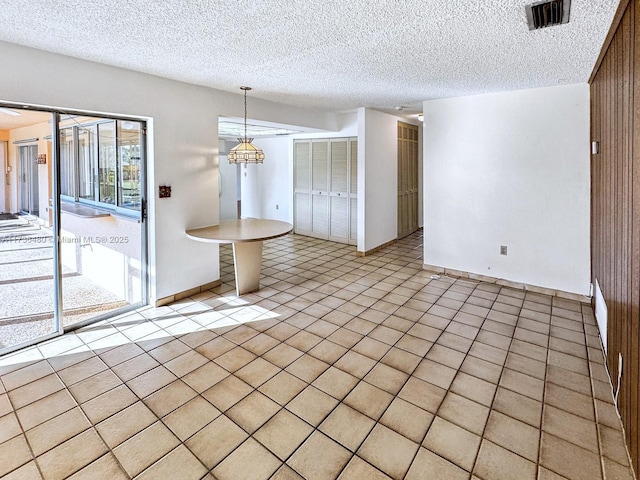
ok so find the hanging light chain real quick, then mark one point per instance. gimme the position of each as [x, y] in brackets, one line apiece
[245, 115]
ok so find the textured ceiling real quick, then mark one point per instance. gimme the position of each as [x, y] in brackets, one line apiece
[326, 54]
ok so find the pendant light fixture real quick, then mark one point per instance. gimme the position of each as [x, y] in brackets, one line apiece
[245, 152]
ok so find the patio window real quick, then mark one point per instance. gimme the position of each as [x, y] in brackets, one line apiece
[100, 163]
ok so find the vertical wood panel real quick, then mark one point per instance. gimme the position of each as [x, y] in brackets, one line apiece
[615, 210]
[635, 222]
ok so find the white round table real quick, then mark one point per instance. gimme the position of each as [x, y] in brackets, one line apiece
[246, 235]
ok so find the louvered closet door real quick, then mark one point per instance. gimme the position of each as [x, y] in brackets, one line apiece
[339, 191]
[353, 191]
[320, 188]
[302, 188]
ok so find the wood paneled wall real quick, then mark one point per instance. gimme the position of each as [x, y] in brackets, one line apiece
[615, 207]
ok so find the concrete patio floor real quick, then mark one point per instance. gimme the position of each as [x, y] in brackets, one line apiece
[27, 285]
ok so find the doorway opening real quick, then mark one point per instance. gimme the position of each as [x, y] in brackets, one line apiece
[408, 178]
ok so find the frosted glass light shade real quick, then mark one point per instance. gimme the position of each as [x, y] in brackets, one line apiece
[245, 152]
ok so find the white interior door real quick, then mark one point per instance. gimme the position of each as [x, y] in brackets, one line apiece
[302, 187]
[339, 192]
[320, 188]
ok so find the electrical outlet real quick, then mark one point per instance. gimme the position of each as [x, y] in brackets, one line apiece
[503, 249]
[277, 206]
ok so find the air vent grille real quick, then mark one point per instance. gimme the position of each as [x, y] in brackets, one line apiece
[548, 14]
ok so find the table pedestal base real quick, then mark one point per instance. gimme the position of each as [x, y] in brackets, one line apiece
[247, 260]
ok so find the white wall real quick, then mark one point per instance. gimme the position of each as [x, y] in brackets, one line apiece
[267, 188]
[182, 141]
[377, 178]
[510, 169]
[228, 181]
[270, 184]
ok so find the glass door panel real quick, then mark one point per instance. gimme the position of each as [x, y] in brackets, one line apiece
[27, 267]
[102, 234]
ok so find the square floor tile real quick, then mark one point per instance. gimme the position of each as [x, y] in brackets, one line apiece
[72, 455]
[389, 451]
[105, 467]
[570, 427]
[568, 459]
[283, 433]
[282, 355]
[319, 458]
[429, 465]
[227, 392]
[464, 412]
[93, 386]
[179, 463]
[335, 382]
[401, 360]
[513, 435]
[282, 387]
[250, 461]
[307, 368]
[215, 441]
[387, 378]
[347, 426]
[151, 381]
[454, 443]
[358, 469]
[125, 424]
[435, 373]
[34, 391]
[253, 411]
[521, 383]
[422, 394]
[191, 417]
[145, 448]
[59, 429]
[474, 388]
[518, 406]
[312, 405]
[257, 372]
[105, 405]
[13, 454]
[407, 419]
[356, 364]
[369, 400]
[235, 359]
[45, 409]
[205, 377]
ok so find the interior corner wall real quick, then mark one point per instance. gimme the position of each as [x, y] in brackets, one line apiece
[377, 178]
[510, 169]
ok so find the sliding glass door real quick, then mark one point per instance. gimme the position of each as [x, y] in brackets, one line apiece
[73, 237]
[102, 229]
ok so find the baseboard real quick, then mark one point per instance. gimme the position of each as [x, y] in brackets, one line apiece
[376, 249]
[508, 283]
[187, 293]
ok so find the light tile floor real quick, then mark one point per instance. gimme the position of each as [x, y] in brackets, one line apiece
[339, 367]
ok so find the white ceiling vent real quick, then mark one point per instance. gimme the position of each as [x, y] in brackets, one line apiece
[547, 14]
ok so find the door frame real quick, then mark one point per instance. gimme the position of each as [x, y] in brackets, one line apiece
[55, 206]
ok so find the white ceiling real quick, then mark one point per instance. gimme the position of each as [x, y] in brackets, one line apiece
[326, 54]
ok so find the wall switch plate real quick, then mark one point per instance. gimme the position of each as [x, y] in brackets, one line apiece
[164, 191]
[503, 249]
